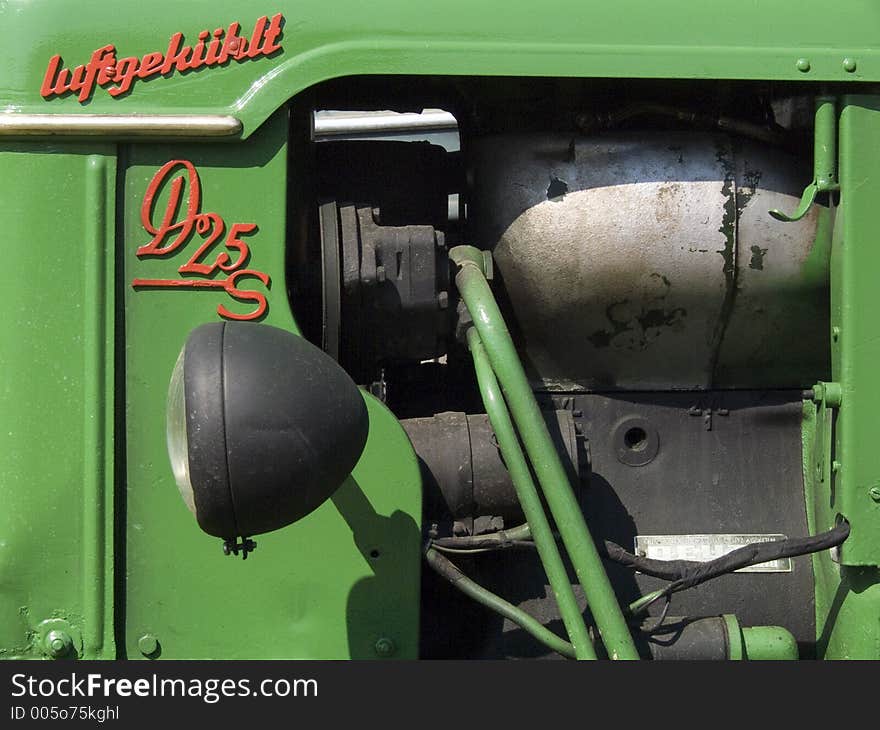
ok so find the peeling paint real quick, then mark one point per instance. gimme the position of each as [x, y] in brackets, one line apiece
[757, 260]
[634, 325]
[724, 153]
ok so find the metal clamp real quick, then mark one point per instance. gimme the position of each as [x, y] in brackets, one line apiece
[824, 160]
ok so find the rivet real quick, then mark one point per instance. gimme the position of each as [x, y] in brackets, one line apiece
[803, 64]
[58, 643]
[875, 493]
[849, 65]
[384, 646]
[148, 644]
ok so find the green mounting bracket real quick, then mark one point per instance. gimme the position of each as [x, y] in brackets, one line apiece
[827, 396]
[824, 160]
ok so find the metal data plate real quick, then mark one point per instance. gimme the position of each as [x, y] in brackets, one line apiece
[707, 547]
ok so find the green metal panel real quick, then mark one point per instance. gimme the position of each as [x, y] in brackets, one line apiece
[847, 598]
[565, 38]
[841, 466]
[329, 586]
[855, 266]
[56, 399]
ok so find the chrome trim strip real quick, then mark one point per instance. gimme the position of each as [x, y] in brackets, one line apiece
[330, 124]
[124, 125]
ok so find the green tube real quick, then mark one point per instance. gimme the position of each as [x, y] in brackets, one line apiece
[637, 606]
[539, 526]
[825, 144]
[475, 291]
[528, 623]
[769, 643]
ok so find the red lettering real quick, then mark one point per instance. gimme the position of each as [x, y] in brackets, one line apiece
[256, 37]
[151, 64]
[125, 75]
[77, 78]
[212, 57]
[48, 88]
[245, 296]
[211, 49]
[176, 56]
[169, 225]
[213, 225]
[272, 33]
[174, 230]
[231, 44]
[197, 60]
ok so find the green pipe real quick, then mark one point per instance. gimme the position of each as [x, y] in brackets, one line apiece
[769, 643]
[450, 572]
[538, 525]
[759, 643]
[640, 604]
[825, 145]
[477, 296]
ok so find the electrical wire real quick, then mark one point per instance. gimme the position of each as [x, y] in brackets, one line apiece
[682, 574]
[451, 572]
[447, 570]
[685, 574]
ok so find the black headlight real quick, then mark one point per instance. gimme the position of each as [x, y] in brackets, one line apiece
[262, 427]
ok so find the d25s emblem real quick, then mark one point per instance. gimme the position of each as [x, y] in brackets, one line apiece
[209, 266]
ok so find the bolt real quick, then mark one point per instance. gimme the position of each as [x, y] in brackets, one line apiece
[849, 65]
[380, 273]
[835, 333]
[875, 493]
[443, 299]
[803, 64]
[835, 466]
[148, 644]
[376, 215]
[58, 643]
[384, 646]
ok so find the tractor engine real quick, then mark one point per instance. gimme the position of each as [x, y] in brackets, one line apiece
[668, 318]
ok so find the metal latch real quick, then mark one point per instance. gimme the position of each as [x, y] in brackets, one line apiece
[827, 396]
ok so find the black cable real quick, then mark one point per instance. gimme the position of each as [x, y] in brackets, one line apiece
[686, 574]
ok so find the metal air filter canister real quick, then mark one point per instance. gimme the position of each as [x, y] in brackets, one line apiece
[649, 261]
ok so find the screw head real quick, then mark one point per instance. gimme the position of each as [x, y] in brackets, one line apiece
[148, 644]
[58, 643]
[803, 64]
[849, 65]
[875, 493]
[384, 646]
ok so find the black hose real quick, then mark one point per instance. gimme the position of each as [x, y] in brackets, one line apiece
[687, 573]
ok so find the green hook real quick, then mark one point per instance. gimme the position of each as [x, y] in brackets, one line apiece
[824, 160]
[806, 201]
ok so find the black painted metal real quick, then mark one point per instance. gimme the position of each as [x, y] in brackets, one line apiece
[726, 462]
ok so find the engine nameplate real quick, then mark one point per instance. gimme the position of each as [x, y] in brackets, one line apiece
[703, 548]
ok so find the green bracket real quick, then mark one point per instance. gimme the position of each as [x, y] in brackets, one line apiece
[824, 160]
[828, 396]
